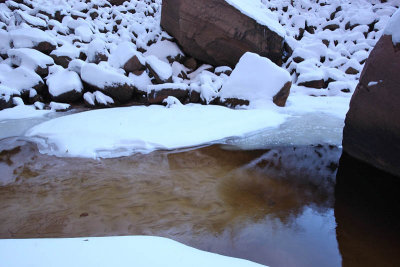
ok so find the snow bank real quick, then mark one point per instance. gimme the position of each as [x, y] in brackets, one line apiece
[123, 131]
[110, 251]
[21, 112]
[393, 27]
[256, 79]
[257, 11]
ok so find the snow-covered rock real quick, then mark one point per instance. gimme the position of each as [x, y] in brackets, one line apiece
[64, 86]
[393, 27]
[21, 79]
[33, 38]
[127, 57]
[256, 81]
[59, 106]
[109, 81]
[158, 93]
[161, 70]
[32, 59]
[97, 51]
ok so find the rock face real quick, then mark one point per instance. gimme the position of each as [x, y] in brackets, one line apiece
[218, 33]
[372, 129]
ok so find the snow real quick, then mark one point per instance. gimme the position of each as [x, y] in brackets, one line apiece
[21, 112]
[256, 10]
[89, 98]
[67, 50]
[122, 53]
[110, 251]
[95, 47]
[29, 58]
[59, 106]
[141, 81]
[164, 49]
[101, 77]
[123, 131]
[29, 37]
[173, 86]
[19, 78]
[64, 81]
[84, 32]
[163, 69]
[102, 98]
[171, 102]
[393, 27]
[256, 79]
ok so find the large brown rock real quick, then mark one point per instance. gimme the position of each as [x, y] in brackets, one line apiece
[217, 33]
[372, 127]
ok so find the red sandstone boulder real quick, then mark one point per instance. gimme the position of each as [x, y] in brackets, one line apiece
[372, 129]
[219, 33]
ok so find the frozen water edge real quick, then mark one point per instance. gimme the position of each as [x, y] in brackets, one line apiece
[120, 132]
[110, 251]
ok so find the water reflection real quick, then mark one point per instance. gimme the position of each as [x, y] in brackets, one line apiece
[367, 212]
[271, 206]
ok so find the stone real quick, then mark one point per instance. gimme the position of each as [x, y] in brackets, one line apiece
[217, 33]
[280, 98]
[45, 47]
[160, 92]
[61, 60]
[372, 126]
[133, 65]
[5, 102]
[313, 84]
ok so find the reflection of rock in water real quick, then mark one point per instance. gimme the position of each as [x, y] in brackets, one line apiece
[367, 209]
[197, 191]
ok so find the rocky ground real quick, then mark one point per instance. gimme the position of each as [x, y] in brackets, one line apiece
[108, 53]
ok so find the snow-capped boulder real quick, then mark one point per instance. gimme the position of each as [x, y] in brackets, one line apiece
[158, 93]
[372, 126]
[33, 38]
[64, 54]
[256, 81]
[97, 51]
[107, 80]
[127, 57]
[219, 32]
[31, 59]
[21, 79]
[56, 106]
[161, 70]
[64, 86]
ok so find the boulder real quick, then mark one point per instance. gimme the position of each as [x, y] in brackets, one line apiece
[372, 126]
[161, 70]
[157, 93]
[219, 32]
[256, 81]
[64, 86]
[108, 81]
[5, 102]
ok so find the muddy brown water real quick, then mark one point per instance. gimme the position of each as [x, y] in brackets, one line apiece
[272, 206]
